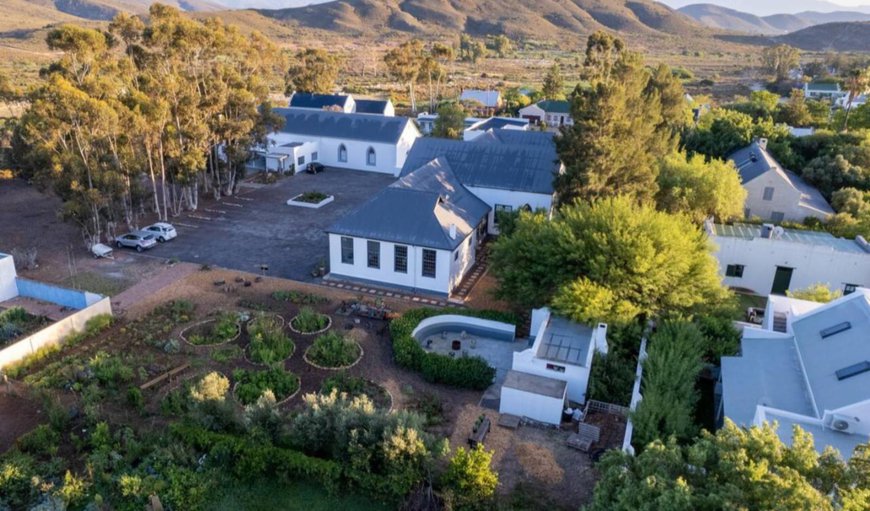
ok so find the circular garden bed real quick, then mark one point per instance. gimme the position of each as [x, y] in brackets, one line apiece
[268, 342]
[219, 330]
[333, 351]
[310, 322]
[355, 386]
[250, 385]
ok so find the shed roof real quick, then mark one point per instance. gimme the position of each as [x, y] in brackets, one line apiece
[418, 209]
[318, 101]
[372, 106]
[534, 384]
[322, 123]
[565, 341]
[816, 238]
[490, 165]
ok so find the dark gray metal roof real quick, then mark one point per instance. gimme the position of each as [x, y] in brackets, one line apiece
[322, 123]
[497, 123]
[524, 168]
[541, 139]
[753, 161]
[534, 384]
[418, 209]
[318, 101]
[371, 106]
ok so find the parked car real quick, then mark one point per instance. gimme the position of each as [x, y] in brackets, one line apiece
[138, 240]
[315, 167]
[162, 231]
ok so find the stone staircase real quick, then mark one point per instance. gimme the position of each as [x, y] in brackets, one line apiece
[475, 274]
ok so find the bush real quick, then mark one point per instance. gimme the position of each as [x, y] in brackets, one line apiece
[334, 350]
[269, 344]
[110, 370]
[308, 321]
[212, 387]
[252, 384]
[469, 480]
[299, 298]
[217, 331]
[464, 372]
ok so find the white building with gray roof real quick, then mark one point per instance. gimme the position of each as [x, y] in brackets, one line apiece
[774, 193]
[767, 259]
[815, 374]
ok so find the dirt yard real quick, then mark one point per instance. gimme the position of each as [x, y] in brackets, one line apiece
[18, 414]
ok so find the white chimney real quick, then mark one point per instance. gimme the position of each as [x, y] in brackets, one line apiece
[762, 142]
[601, 338]
[453, 231]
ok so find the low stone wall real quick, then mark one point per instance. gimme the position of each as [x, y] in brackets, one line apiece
[53, 334]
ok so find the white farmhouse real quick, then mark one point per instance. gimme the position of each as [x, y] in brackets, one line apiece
[766, 259]
[553, 113]
[508, 169]
[813, 372]
[342, 103]
[352, 141]
[774, 193]
[421, 233]
[554, 371]
[824, 90]
[494, 123]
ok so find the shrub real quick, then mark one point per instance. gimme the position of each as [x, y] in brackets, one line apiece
[470, 479]
[252, 384]
[308, 320]
[334, 350]
[465, 372]
[110, 370]
[42, 440]
[212, 387]
[217, 331]
[354, 386]
[269, 343]
[135, 399]
[299, 298]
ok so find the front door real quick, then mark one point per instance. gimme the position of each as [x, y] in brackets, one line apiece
[781, 280]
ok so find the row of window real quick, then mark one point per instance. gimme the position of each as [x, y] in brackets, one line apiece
[736, 271]
[400, 257]
[301, 160]
[371, 157]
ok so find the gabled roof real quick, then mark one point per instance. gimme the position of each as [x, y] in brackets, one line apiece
[322, 123]
[318, 101]
[524, 168]
[372, 106]
[418, 209]
[824, 86]
[541, 139]
[497, 123]
[488, 98]
[555, 106]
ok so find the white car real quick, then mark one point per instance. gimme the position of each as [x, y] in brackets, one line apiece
[162, 231]
[138, 240]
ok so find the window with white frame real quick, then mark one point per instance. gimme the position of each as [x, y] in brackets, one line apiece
[300, 160]
[768, 193]
[346, 250]
[314, 156]
[430, 260]
[500, 208]
[342, 153]
[400, 259]
[374, 254]
[371, 157]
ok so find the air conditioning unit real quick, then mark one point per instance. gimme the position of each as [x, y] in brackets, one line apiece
[843, 423]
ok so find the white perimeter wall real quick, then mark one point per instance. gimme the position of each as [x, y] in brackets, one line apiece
[53, 334]
[534, 406]
[812, 264]
[493, 196]
[8, 287]
[448, 272]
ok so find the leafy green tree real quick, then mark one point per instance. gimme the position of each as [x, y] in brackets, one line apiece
[611, 260]
[554, 84]
[514, 99]
[619, 128]
[670, 370]
[470, 480]
[857, 83]
[815, 293]
[470, 49]
[760, 105]
[676, 111]
[779, 60]
[722, 131]
[405, 63]
[700, 188]
[795, 111]
[840, 166]
[502, 46]
[314, 70]
[734, 468]
[450, 121]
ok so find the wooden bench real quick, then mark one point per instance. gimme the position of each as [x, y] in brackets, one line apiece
[167, 375]
[584, 438]
[478, 435]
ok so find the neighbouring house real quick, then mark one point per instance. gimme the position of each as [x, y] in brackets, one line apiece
[774, 193]
[352, 141]
[65, 311]
[421, 233]
[494, 123]
[767, 259]
[342, 103]
[426, 122]
[801, 132]
[482, 100]
[507, 176]
[813, 371]
[857, 101]
[553, 113]
[554, 370]
[824, 90]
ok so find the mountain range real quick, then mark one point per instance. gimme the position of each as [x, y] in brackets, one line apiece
[723, 18]
[771, 7]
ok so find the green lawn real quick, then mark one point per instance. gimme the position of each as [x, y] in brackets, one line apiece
[296, 496]
[745, 301]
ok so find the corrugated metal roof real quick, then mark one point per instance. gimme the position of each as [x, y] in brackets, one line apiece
[824, 86]
[818, 238]
[371, 106]
[497, 123]
[322, 123]
[502, 166]
[534, 384]
[318, 101]
[418, 209]
[554, 106]
[752, 161]
[488, 98]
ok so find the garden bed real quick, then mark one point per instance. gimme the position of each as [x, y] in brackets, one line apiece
[355, 386]
[16, 323]
[250, 385]
[310, 322]
[216, 331]
[312, 200]
[332, 351]
[268, 342]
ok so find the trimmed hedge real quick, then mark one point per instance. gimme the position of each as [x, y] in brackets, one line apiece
[464, 372]
[250, 458]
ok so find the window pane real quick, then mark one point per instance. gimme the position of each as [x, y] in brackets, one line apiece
[301, 160]
[768, 193]
[400, 259]
[374, 253]
[370, 157]
[314, 156]
[777, 216]
[429, 260]
[346, 250]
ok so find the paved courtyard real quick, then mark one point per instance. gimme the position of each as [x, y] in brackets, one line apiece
[257, 226]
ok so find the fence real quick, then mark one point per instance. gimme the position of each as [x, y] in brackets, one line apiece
[53, 334]
[636, 398]
[601, 406]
